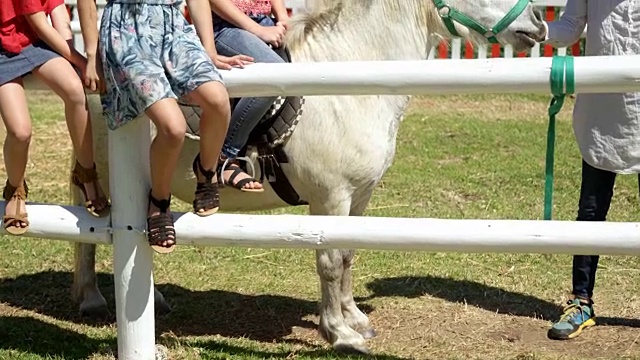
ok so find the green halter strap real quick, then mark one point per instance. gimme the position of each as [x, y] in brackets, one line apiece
[449, 15]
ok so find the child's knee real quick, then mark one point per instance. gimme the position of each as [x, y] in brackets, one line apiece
[173, 133]
[218, 102]
[74, 94]
[20, 134]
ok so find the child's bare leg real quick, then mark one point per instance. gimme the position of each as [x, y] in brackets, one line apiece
[60, 76]
[165, 150]
[213, 99]
[15, 115]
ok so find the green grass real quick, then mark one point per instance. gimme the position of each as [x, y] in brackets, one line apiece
[471, 157]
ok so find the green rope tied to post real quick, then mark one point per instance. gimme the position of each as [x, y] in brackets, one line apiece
[563, 82]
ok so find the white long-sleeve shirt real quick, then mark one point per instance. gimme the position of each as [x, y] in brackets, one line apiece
[606, 126]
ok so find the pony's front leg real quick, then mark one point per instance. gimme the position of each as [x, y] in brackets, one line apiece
[353, 316]
[333, 327]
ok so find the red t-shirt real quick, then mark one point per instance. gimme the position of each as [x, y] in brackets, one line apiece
[15, 31]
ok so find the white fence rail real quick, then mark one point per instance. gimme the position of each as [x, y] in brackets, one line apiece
[406, 234]
[499, 75]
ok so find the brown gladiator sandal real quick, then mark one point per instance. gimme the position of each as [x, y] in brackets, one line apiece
[10, 222]
[82, 176]
[160, 227]
[207, 198]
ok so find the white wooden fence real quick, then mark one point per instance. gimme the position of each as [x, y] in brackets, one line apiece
[129, 184]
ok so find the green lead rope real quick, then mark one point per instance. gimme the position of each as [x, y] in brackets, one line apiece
[563, 83]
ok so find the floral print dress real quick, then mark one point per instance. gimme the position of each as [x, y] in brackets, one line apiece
[149, 52]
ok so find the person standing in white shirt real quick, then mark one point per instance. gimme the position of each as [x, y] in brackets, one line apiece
[607, 129]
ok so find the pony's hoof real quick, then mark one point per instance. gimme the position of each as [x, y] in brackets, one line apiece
[94, 311]
[355, 349]
[369, 333]
[162, 308]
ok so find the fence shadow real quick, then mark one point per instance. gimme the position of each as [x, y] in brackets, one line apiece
[49, 293]
[265, 318]
[473, 293]
[32, 336]
[486, 297]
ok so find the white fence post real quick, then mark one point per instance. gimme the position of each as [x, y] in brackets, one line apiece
[132, 256]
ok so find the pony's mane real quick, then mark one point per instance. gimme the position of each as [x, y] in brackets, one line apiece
[323, 13]
[324, 16]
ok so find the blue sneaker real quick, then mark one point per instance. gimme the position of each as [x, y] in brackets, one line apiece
[576, 317]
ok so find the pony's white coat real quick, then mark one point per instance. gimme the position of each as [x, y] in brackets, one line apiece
[343, 144]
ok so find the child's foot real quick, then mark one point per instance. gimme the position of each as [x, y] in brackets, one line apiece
[576, 317]
[86, 180]
[161, 233]
[15, 219]
[207, 199]
[233, 175]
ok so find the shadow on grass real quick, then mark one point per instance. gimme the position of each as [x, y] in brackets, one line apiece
[265, 318]
[480, 295]
[31, 336]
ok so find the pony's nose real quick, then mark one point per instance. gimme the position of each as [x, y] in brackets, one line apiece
[539, 15]
[538, 21]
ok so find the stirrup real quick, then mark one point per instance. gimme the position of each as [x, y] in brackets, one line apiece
[237, 170]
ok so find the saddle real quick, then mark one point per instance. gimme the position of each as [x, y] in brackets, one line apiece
[268, 137]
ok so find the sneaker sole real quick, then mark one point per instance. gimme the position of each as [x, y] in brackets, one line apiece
[586, 324]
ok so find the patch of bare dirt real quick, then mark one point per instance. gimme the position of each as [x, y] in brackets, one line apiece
[429, 328]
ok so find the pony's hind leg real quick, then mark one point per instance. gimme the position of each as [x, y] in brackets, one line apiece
[162, 307]
[330, 268]
[85, 289]
[353, 316]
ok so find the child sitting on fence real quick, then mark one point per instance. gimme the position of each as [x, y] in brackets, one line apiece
[30, 44]
[247, 27]
[150, 56]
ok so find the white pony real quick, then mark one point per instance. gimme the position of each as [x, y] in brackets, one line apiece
[342, 145]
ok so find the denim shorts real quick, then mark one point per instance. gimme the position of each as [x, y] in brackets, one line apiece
[18, 65]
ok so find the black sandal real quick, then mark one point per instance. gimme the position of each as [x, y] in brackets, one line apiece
[207, 199]
[160, 228]
[237, 170]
